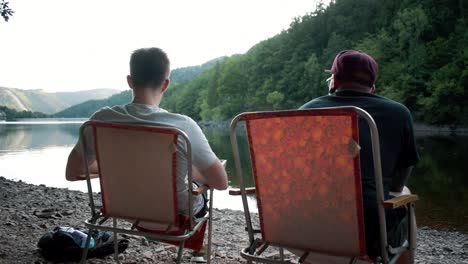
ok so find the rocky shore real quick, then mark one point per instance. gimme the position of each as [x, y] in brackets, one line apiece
[28, 211]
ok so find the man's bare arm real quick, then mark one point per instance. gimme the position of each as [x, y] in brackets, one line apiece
[215, 176]
[400, 178]
[75, 170]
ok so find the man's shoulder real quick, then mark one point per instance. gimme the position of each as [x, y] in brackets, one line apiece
[180, 121]
[322, 101]
[178, 117]
[108, 113]
[369, 102]
[392, 104]
[121, 113]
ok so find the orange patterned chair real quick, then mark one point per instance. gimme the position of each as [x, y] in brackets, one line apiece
[306, 170]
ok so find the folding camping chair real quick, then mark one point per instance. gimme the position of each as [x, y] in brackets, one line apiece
[305, 165]
[137, 173]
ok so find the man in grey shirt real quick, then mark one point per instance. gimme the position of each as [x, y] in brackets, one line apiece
[149, 79]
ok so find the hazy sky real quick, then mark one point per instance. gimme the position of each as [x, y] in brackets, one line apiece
[67, 45]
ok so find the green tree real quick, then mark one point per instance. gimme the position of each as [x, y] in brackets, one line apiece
[5, 10]
[275, 98]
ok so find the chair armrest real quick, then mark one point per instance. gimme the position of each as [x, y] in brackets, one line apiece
[200, 190]
[248, 190]
[91, 176]
[399, 201]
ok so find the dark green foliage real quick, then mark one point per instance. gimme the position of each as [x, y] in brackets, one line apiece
[12, 114]
[185, 74]
[176, 99]
[421, 48]
[5, 11]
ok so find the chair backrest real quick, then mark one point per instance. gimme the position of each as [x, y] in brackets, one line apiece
[307, 176]
[137, 170]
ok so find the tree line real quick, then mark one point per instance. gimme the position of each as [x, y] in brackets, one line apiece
[12, 114]
[420, 45]
[86, 109]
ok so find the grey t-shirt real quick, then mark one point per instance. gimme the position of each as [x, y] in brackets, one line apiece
[202, 155]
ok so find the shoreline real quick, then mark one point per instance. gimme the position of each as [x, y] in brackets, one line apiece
[21, 226]
[419, 128]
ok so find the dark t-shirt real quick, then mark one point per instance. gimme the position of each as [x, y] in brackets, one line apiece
[397, 145]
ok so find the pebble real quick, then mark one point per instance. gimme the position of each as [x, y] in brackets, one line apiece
[29, 211]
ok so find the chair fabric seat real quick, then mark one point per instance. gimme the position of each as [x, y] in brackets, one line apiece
[138, 178]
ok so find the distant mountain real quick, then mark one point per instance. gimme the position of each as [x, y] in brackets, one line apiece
[87, 108]
[41, 101]
[73, 98]
[179, 75]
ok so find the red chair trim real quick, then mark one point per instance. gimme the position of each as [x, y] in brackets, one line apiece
[358, 186]
[254, 171]
[96, 148]
[174, 181]
[307, 112]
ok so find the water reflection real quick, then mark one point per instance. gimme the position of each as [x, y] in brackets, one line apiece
[24, 136]
[37, 153]
[221, 144]
[441, 183]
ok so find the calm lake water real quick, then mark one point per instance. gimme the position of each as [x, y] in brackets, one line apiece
[36, 152]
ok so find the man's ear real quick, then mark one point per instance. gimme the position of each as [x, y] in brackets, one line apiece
[372, 89]
[165, 85]
[130, 82]
[333, 85]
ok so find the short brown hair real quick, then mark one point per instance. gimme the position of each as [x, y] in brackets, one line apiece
[149, 67]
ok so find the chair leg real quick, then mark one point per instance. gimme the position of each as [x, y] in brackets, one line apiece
[412, 231]
[85, 250]
[281, 251]
[179, 253]
[116, 242]
[210, 228]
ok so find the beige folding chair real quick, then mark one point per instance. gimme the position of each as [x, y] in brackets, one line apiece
[306, 170]
[137, 174]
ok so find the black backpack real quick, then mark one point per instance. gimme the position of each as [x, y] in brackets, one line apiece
[60, 245]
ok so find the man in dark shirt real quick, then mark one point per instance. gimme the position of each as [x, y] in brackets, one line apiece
[353, 84]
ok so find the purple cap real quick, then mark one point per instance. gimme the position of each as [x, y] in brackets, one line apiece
[348, 62]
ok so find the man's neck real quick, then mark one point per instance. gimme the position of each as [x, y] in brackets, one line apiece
[354, 87]
[147, 96]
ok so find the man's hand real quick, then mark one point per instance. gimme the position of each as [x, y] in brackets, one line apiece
[400, 178]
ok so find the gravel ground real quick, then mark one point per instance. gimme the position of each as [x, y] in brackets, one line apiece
[21, 226]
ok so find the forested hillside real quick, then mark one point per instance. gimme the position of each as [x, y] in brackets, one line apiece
[421, 47]
[178, 76]
[186, 74]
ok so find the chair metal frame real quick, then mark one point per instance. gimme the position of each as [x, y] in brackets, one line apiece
[249, 253]
[98, 218]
